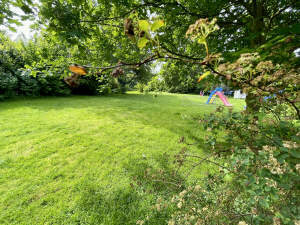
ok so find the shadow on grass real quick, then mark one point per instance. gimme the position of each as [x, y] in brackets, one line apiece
[98, 206]
[157, 175]
[131, 202]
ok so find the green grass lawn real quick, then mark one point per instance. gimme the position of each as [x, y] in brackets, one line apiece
[71, 160]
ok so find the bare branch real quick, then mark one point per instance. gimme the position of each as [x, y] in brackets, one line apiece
[210, 161]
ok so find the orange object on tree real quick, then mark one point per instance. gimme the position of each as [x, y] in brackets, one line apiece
[207, 73]
[78, 69]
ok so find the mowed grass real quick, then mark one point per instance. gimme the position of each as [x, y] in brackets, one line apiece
[71, 160]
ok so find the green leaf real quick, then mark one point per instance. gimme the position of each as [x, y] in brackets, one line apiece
[228, 178]
[206, 73]
[142, 42]
[115, 33]
[14, 21]
[12, 29]
[202, 40]
[157, 24]
[144, 25]
[264, 203]
[295, 153]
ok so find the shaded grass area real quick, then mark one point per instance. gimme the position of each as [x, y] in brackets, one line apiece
[71, 160]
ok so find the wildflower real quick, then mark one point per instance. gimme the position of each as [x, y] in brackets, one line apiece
[197, 188]
[298, 168]
[182, 193]
[199, 222]
[171, 222]
[265, 66]
[274, 166]
[173, 199]
[242, 223]
[271, 183]
[254, 211]
[157, 206]
[179, 205]
[276, 221]
[159, 200]
[290, 144]
[192, 217]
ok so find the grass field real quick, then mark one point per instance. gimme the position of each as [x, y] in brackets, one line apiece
[71, 160]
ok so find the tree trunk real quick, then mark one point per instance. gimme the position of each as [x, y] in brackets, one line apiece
[257, 28]
[258, 25]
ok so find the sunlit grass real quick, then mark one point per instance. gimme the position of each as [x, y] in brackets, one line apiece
[71, 160]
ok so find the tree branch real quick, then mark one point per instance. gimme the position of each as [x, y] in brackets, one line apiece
[125, 64]
[278, 13]
[178, 54]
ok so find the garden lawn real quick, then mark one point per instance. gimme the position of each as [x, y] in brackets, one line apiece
[71, 160]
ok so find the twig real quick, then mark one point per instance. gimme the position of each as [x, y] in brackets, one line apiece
[168, 182]
[178, 54]
[213, 162]
[197, 164]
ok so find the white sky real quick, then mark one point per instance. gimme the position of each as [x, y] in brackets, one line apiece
[23, 29]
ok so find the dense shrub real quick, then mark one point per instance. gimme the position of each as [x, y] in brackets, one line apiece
[140, 87]
[27, 84]
[10, 61]
[22, 83]
[88, 85]
[261, 163]
[8, 84]
[52, 85]
[156, 84]
[38, 68]
[48, 83]
[107, 84]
